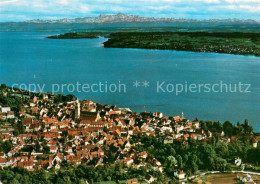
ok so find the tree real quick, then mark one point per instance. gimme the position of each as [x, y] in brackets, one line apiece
[222, 150]
[179, 159]
[228, 128]
[58, 98]
[70, 137]
[171, 161]
[105, 129]
[5, 146]
[82, 181]
[14, 181]
[253, 155]
[219, 164]
[45, 149]
[206, 155]
[37, 146]
[203, 125]
[217, 126]
[3, 86]
[238, 130]
[247, 127]
[193, 166]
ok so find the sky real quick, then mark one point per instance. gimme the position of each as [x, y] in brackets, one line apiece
[22, 10]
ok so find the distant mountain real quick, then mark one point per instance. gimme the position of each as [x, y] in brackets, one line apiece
[135, 18]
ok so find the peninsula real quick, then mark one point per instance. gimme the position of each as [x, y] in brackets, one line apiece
[240, 43]
[79, 35]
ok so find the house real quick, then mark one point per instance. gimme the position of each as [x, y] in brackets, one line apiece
[143, 155]
[222, 134]
[156, 165]
[27, 122]
[68, 149]
[22, 113]
[53, 149]
[117, 132]
[3, 155]
[43, 111]
[166, 129]
[197, 136]
[34, 110]
[5, 109]
[73, 159]
[52, 143]
[50, 135]
[179, 174]
[132, 181]
[35, 99]
[115, 111]
[150, 179]
[45, 97]
[36, 126]
[5, 162]
[254, 142]
[158, 114]
[179, 128]
[34, 153]
[177, 118]
[57, 158]
[209, 133]
[89, 106]
[196, 124]
[10, 115]
[3, 116]
[128, 161]
[28, 165]
[238, 161]
[247, 179]
[5, 94]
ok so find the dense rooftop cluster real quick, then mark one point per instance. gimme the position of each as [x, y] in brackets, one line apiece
[49, 131]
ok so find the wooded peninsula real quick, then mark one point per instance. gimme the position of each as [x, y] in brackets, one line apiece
[240, 43]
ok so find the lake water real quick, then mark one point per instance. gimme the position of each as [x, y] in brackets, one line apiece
[27, 57]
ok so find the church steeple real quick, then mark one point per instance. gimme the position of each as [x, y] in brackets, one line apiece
[77, 109]
[98, 118]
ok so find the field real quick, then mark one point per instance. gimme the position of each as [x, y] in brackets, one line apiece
[226, 178]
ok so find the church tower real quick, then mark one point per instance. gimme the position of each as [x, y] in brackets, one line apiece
[98, 118]
[77, 109]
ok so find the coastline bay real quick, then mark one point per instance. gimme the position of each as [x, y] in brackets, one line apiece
[30, 58]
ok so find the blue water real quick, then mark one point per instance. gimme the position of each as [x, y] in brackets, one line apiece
[30, 58]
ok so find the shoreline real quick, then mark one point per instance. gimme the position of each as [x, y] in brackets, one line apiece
[236, 43]
[29, 93]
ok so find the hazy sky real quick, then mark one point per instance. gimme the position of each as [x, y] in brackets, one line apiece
[20, 10]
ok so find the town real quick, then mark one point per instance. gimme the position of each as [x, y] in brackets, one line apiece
[43, 131]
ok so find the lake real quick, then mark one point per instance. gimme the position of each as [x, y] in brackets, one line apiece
[30, 58]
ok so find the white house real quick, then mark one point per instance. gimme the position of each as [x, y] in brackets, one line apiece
[53, 149]
[5, 109]
[5, 163]
[10, 115]
[45, 96]
[150, 179]
[255, 141]
[238, 161]
[128, 161]
[158, 114]
[179, 174]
